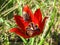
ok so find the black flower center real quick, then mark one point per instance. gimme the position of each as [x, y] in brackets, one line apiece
[31, 28]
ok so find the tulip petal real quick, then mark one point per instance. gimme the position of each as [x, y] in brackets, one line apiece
[38, 15]
[35, 20]
[27, 10]
[37, 32]
[20, 22]
[43, 24]
[19, 32]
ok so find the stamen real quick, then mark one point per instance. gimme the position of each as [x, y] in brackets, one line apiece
[29, 33]
[31, 28]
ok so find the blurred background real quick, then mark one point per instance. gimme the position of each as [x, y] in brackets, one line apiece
[9, 7]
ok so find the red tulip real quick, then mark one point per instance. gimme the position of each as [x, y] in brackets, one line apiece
[30, 24]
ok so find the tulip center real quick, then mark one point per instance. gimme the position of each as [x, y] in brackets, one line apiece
[31, 28]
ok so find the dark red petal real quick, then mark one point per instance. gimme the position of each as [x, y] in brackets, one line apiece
[36, 33]
[43, 24]
[38, 15]
[41, 28]
[35, 21]
[27, 10]
[20, 22]
[19, 32]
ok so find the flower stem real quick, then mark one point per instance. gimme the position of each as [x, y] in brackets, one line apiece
[24, 40]
[32, 41]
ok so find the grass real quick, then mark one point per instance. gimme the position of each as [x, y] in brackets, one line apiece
[49, 8]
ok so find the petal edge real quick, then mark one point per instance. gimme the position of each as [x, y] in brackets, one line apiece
[19, 32]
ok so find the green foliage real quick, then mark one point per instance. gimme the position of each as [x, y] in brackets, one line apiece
[50, 8]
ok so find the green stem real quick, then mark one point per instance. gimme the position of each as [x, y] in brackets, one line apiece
[50, 24]
[32, 41]
[24, 40]
[5, 5]
[9, 10]
[44, 35]
[19, 7]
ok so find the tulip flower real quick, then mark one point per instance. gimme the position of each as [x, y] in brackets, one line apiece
[29, 24]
